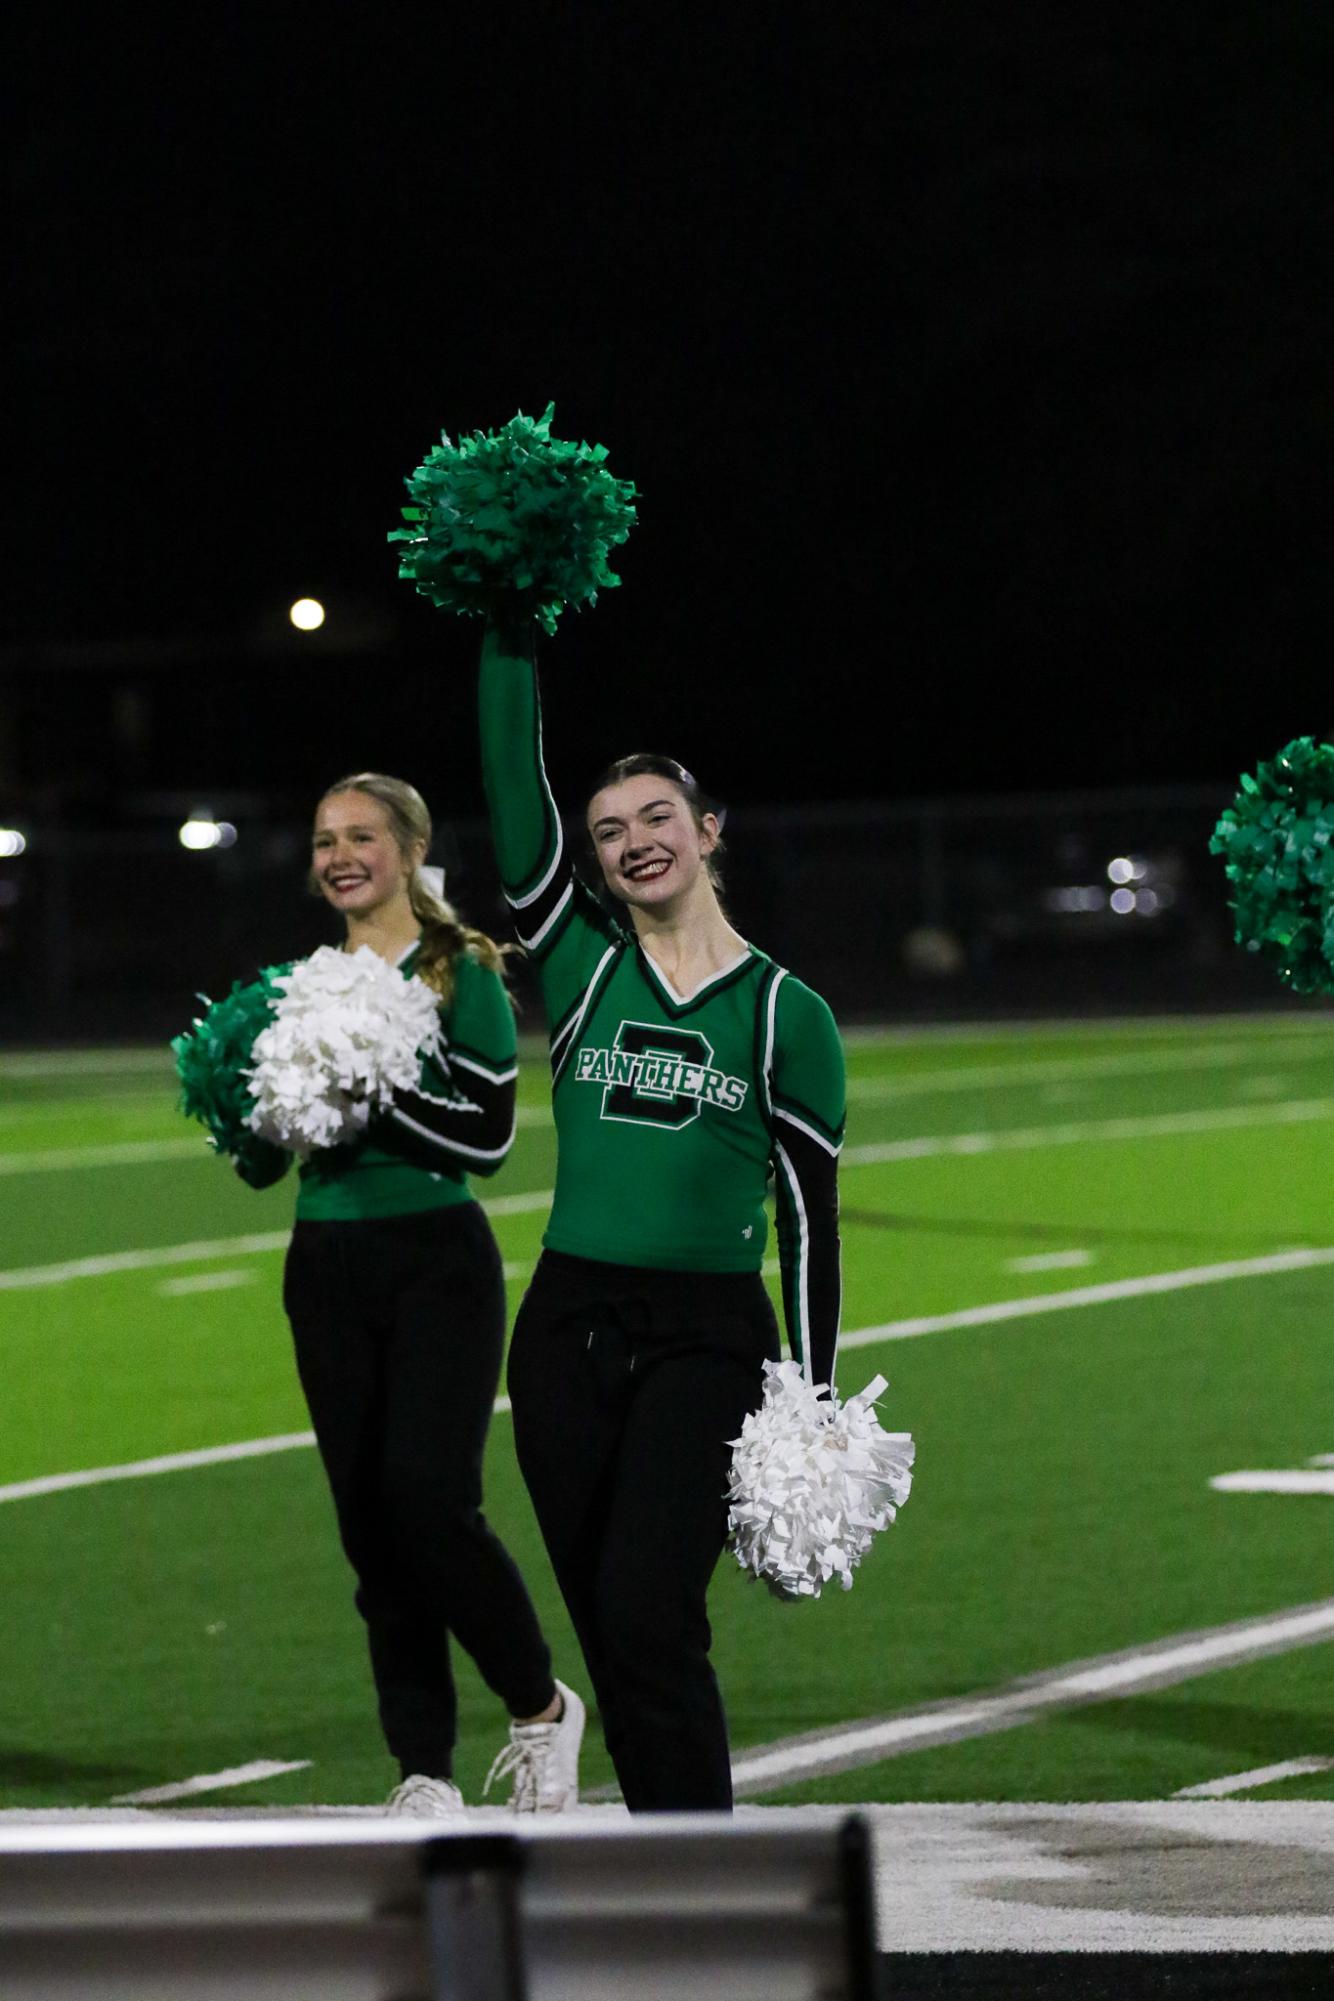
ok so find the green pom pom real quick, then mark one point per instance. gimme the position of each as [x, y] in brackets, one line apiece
[213, 1054]
[513, 519]
[1277, 841]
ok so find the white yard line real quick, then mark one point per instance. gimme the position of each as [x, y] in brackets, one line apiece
[166, 1462]
[862, 1337]
[1162, 1125]
[1159, 1125]
[23, 1278]
[1071, 1069]
[1158, 1665]
[213, 1782]
[1262, 1775]
[1088, 1295]
[125, 1153]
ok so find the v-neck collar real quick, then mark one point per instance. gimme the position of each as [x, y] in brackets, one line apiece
[677, 1001]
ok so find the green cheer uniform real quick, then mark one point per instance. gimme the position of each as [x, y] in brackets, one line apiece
[673, 1111]
[418, 1154]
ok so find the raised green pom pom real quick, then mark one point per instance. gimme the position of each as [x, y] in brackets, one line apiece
[212, 1055]
[513, 519]
[1277, 841]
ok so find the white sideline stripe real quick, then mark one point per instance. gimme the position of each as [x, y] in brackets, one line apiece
[1280, 1481]
[1088, 1295]
[1161, 1125]
[1157, 1665]
[1262, 1775]
[22, 1278]
[213, 1782]
[1069, 1069]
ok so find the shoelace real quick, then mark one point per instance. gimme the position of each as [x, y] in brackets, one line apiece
[526, 1757]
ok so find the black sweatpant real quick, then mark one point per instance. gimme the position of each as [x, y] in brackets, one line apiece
[627, 1386]
[399, 1328]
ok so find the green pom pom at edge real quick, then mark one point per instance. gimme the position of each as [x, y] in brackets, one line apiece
[213, 1054]
[1277, 844]
[513, 520]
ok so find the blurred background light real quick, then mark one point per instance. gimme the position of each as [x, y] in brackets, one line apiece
[201, 832]
[1122, 901]
[11, 843]
[307, 614]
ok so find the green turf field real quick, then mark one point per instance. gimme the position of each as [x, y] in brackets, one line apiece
[193, 1621]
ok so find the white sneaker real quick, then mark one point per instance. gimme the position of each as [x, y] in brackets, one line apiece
[544, 1758]
[426, 1798]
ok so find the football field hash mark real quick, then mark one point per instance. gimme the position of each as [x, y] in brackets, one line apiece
[1262, 1775]
[205, 1281]
[1050, 1261]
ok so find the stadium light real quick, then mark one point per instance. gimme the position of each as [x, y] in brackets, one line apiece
[201, 832]
[12, 843]
[307, 614]
[1127, 868]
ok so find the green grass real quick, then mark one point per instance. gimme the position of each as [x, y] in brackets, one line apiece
[181, 1624]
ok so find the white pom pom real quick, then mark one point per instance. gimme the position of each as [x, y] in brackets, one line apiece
[348, 1031]
[812, 1481]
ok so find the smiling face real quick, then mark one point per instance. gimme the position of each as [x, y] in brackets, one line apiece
[356, 860]
[649, 844]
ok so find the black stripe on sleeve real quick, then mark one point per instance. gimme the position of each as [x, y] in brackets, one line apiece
[464, 1133]
[806, 1183]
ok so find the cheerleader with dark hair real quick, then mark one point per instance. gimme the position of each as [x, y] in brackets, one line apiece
[688, 1072]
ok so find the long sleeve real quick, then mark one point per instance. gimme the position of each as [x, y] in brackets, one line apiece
[808, 1096]
[461, 1115]
[530, 844]
[557, 918]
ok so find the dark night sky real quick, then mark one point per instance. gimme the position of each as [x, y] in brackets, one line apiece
[974, 365]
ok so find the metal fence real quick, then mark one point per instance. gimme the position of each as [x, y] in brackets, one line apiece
[1051, 904]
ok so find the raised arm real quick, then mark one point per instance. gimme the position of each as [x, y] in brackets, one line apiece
[808, 1097]
[565, 929]
[530, 846]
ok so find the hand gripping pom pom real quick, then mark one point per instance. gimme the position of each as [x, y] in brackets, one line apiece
[347, 1032]
[213, 1055]
[1277, 841]
[513, 520]
[812, 1481]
